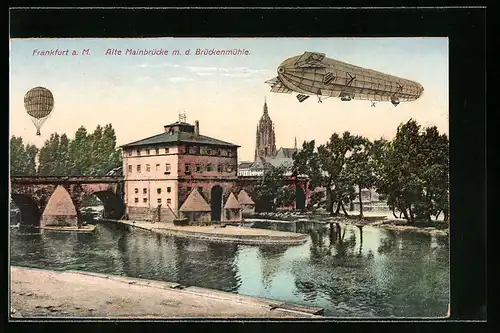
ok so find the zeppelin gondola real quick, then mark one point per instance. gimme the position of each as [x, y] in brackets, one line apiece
[314, 74]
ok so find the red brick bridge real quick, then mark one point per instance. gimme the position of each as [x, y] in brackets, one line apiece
[31, 194]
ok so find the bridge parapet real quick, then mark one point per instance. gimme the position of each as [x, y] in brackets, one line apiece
[64, 179]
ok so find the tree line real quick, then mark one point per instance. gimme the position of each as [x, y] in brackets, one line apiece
[87, 154]
[410, 172]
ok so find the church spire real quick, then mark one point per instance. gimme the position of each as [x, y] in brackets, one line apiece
[265, 106]
[295, 144]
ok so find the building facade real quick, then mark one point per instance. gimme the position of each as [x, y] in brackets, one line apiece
[161, 171]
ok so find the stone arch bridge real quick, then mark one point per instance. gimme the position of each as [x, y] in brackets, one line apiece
[31, 194]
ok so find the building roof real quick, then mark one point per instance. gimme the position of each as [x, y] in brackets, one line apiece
[179, 123]
[285, 152]
[244, 198]
[232, 203]
[60, 203]
[178, 137]
[195, 203]
[244, 165]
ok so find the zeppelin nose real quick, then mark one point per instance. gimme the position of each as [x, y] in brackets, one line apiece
[281, 70]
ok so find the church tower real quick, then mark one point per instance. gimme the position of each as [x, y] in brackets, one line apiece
[265, 146]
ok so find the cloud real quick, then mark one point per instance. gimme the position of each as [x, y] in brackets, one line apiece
[240, 72]
[144, 78]
[228, 71]
[237, 74]
[179, 79]
[146, 65]
[205, 73]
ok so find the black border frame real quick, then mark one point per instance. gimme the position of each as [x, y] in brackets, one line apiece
[466, 29]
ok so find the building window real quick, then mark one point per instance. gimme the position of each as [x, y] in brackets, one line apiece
[187, 169]
[138, 152]
[158, 200]
[230, 153]
[217, 152]
[167, 150]
[144, 200]
[199, 168]
[229, 168]
[157, 167]
[148, 152]
[129, 168]
[139, 168]
[158, 190]
[219, 168]
[209, 167]
[145, 191]
[157, 151]
[136, 200]
[136, 190]
[129, 152]
[167, 168]
[169, 189]
[223, 152]
[148, 168]
[188, 188]
[193, 150]
[169, 201]
[209, 151]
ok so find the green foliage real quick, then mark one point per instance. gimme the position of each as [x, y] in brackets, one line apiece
[272, 191]
[306, 162]
[412, 171]
[86, 155]
[22, 157]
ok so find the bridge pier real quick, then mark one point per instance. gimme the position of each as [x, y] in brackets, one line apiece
[57, 200]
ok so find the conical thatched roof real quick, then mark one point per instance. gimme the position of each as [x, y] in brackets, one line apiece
[60, 203]
[244, 198]
[195, 203]
[232, 203]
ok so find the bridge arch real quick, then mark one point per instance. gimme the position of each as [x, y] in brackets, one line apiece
[300, 198]
[114, 207]
[29, 209]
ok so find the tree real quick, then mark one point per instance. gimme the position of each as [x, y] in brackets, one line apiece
[31, 155]
[79, 153]
[332, 160]
[270, 191]
[360, 167]
[434, 174]
[22, 158]
[49, 157]
[412, 171]
[306, 162]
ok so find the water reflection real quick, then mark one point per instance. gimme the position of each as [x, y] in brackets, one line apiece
[364, 272]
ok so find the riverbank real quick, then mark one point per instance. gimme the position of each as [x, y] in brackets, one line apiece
[39, 293]
[226, 234]
[370, 219]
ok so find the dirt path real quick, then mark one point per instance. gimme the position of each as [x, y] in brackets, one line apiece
[40, 293]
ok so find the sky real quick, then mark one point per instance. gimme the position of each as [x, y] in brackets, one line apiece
[140, 94]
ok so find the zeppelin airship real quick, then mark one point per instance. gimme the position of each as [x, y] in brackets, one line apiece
[312, 74]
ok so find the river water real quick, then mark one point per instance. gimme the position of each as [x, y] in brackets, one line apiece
[388, 274]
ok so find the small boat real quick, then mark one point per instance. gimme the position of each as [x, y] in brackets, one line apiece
[181, 221]
[82, 229]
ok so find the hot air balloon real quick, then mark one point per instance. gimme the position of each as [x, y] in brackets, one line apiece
[38, 103]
